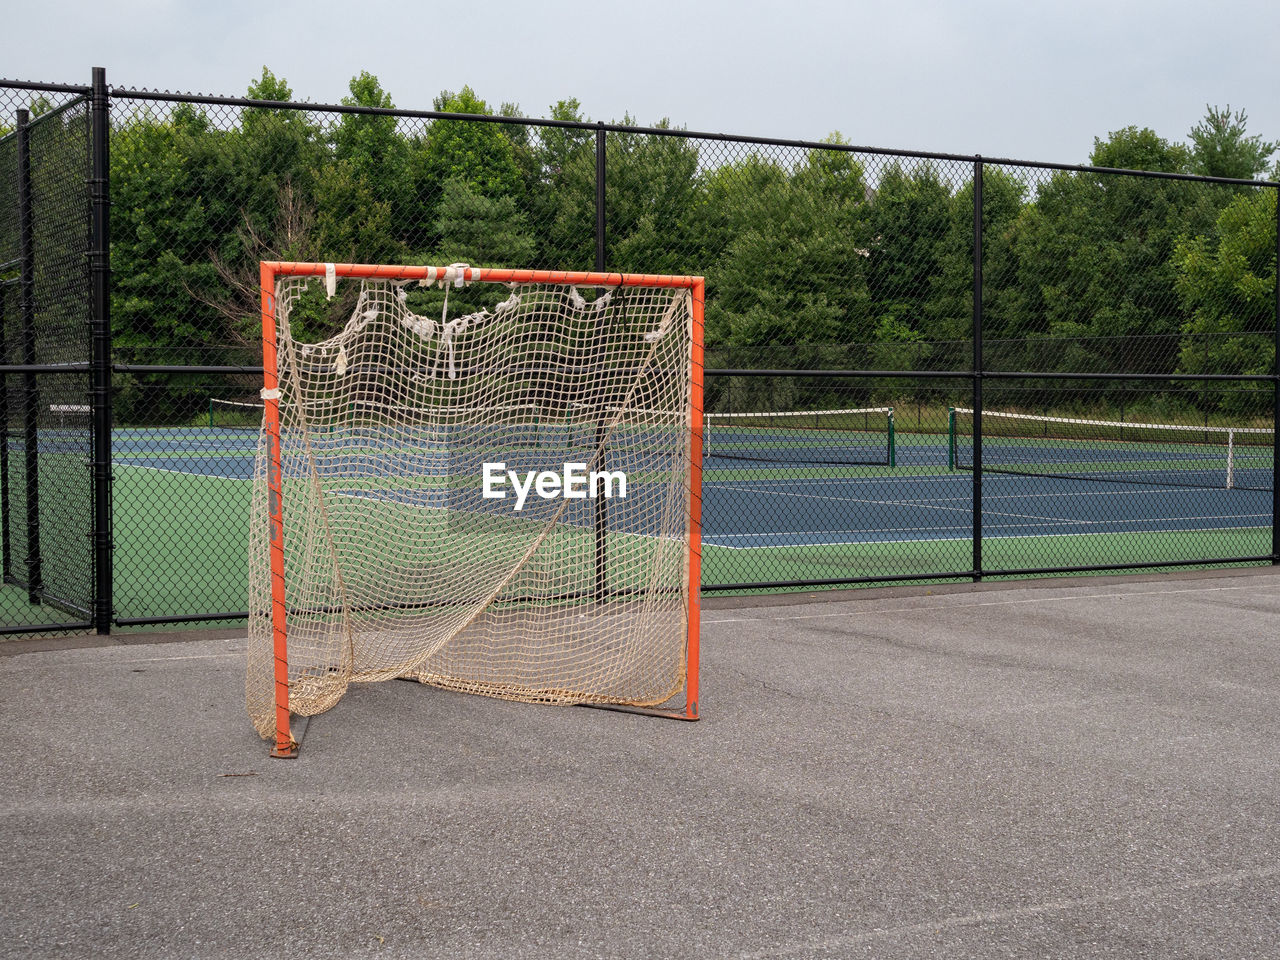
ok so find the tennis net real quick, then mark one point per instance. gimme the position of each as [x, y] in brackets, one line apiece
[531, 435]
[861, 436]
[234, 414]
[565, 430]
[1162, 454]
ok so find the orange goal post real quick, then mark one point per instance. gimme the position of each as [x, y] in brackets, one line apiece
[487, 480]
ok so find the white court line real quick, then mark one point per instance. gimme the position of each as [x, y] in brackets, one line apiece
[772, 542]
[934, 926]
[731, 484]
[189, 450]
[27, 661]
[1144, 490]
[856, 531]
[981, 603]
[879, 503]
[770, 539]
[203, 656]
[1050, 521]
[961, 504]
[921, 505]
[965, 506]
[184, 473]
[1129, 491]
[966, 479]
[1082, 494]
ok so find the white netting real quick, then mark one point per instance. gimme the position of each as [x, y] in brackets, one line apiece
[397, 565]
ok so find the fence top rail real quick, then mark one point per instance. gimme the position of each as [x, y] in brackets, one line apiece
[84, 90]
[121, 93]
[48, 115]
[969, 374]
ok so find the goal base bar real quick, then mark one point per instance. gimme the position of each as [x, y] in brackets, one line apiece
[292, 748]
[689, 713]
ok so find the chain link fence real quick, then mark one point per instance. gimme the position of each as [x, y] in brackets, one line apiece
[46, 458]
[921, 367]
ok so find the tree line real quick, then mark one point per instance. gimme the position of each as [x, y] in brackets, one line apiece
[814, 257]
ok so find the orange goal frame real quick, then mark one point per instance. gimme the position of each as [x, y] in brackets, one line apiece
[270, 271]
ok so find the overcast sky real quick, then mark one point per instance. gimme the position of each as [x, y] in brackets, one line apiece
[1017, 79]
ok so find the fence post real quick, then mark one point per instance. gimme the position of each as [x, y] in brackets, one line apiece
[6, 548]
[600, 218]
[977, 368]
[1275, 402]
[30, 397]
[100, 287]
[600, 510]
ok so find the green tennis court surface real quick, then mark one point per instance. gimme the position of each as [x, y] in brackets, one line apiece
[182, 495]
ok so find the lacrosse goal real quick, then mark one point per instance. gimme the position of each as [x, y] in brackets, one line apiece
[485, 480]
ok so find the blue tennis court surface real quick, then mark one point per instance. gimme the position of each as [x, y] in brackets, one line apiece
[829, 510]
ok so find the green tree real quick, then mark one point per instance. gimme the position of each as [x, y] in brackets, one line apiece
[367, 139]
[651, 184]
[266, 87]
[168, 209]
[786, 252]
[482, 231]
[39, 106]
[280, 154]
[274, 158]
[524, 148]
[1220, 146]
[562, 206]
[1139, 149]
[480, 154]
[1227, 283]
[171, 207]
[733, 198]
[354, 221]
[950, 307]
[908, 222]
[369, 181]
[560, 147]
[1094, 258]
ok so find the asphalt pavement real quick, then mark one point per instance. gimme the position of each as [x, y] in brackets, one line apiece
[1033, 769]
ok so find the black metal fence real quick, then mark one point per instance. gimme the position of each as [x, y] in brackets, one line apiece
[921, 366]
[54, 461]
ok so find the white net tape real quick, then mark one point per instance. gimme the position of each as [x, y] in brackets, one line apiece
[396, 564]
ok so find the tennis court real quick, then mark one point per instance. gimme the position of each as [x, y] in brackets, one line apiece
[918, 515]
[776, 506]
